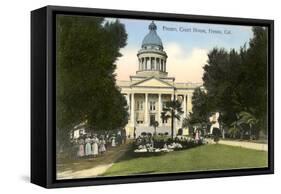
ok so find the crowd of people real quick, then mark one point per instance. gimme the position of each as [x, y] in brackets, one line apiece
[93, 145]
[147, 142]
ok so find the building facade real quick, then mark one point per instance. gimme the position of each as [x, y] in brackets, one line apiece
[150, 88]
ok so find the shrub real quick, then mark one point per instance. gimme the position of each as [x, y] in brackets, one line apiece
[216, 135]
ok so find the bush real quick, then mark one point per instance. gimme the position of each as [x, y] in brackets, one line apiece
[216, 135]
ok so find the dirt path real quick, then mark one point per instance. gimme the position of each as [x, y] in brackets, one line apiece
[87, 173]
[244, 144]
[88, 168]
[249, 145]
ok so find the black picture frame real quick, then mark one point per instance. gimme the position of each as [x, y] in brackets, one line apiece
[43, 140]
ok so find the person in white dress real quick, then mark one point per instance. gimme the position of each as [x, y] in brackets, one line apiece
[214, 119]
[95, 146]
[81, 152]
[102, 145]
[88, 150]
[113, 143]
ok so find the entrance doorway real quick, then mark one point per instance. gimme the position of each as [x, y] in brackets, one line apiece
[152, 119]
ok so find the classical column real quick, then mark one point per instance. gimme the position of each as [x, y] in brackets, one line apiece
[159, 109]
[132, 109]
[189, 104]
[128, 101]
[145, 109]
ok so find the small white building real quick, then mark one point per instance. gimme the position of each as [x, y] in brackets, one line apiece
[78, 131]
[150, 88]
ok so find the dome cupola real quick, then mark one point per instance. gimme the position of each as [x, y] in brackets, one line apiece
[152, 39]
[152, 57]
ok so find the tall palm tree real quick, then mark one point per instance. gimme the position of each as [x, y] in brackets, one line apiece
[172, 110]
[186, 122]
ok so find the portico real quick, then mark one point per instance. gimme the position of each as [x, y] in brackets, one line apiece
[142, 105]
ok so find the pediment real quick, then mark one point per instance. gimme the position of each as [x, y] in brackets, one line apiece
[153, 82]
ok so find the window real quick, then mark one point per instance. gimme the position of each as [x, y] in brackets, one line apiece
[139, 105]
[152, 105]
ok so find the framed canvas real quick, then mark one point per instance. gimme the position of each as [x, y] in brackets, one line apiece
[126, 96]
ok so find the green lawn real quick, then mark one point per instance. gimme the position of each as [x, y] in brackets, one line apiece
[206, 157]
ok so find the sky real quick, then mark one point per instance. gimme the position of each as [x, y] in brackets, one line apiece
[186, 44]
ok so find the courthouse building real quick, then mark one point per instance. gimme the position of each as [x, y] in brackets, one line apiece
[150, 88]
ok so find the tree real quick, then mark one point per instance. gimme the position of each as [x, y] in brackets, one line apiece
[254, 77]
[221, 78]
[200, 109]
[173, 111]
[87, 49]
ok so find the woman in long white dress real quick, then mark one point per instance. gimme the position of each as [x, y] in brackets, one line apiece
[95, 146]
[102, 145]
[81, 152]
[113, 143]
[88, 150]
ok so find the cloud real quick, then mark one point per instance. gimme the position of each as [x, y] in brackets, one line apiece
[185, 66]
